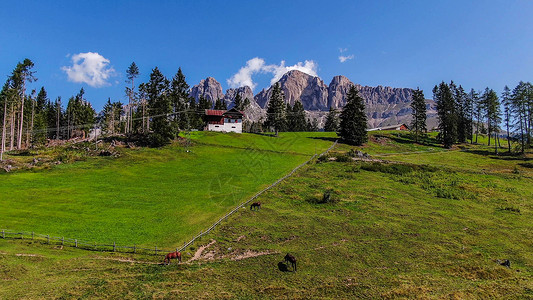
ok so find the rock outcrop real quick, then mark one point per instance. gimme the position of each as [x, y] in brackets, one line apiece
[253, 112]
[299, 86]
[209, 88]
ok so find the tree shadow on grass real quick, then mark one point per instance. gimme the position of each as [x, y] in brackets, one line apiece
[329, 139]
[501, 155]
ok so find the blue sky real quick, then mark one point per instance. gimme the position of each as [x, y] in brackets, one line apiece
[393, 43]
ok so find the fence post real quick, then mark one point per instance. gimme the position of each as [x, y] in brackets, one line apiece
[62, 241]
[114, 247]
[48, 238]
[21, 236]
[76, 243]
[134, 248]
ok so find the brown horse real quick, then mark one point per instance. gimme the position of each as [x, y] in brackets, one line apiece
[172, 255]
[255, 205]
[292, 260]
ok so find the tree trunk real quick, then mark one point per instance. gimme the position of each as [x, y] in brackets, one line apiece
[508, 134]
[31, 128]
[12, 130]
[4, 132]
[19, 144]
[58, 108]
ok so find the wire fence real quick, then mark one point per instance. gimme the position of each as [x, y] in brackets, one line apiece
[68, 242]
[253, 198]
[113, 247]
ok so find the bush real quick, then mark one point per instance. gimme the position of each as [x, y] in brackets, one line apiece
[342, 158]
[328, 197]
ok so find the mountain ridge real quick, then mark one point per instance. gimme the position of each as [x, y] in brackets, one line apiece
[384, 105]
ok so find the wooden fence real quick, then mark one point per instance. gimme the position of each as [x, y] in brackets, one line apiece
[54, 240]
[6, 234]
[253, 198]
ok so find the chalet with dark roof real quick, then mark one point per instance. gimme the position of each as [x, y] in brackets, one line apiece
[223, 120]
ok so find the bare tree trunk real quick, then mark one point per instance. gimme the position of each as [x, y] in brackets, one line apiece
[143, 118]
[19, 144]
[12, 132]
[31, 129]
[4, 132]
[58, 108]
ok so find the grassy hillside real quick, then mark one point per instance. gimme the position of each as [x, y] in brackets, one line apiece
[150, 197]
[408, 230]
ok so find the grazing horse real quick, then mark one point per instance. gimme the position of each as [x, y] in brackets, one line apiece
[292, 260]
[172, 255]
[255, 205]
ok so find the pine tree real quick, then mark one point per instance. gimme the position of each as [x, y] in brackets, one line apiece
[237, 102]
[447, 114]
[41, 117]
[296, 121]
[131, 73]
[7, 99]
[276, 114]
[180, 99]
[418, 105]
[462, 109]
[507, 106]
[160, 107]
[220, 105]
[493, 114]
[111, 117]
[332, 120]
[353, 122]
[477, 109]
[20, 75]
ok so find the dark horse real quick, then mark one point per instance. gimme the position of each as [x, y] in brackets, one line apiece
[255, 205]
[172, 255]
[292, 260]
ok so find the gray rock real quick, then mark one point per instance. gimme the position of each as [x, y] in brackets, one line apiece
[209, 88]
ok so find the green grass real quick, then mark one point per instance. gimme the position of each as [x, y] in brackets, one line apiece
[150, 196]
[409, 231]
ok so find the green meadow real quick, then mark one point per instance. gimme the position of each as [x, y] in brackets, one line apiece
[429, 224]
[151, 197]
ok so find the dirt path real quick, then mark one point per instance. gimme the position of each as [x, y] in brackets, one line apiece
[198, 253]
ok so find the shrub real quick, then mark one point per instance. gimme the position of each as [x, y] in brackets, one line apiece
[343, 158]
[328, 197]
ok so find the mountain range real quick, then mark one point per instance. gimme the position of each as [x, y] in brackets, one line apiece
[383, 105]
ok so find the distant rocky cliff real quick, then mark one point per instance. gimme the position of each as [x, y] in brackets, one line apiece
[384, 105]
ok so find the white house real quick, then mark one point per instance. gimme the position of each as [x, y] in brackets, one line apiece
[224, 120]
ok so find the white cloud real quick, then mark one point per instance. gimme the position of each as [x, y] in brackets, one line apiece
[244, 76]
[258, 65]
[345, 58]
[91, 68]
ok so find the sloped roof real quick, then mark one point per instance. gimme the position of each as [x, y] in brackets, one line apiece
[214, 112]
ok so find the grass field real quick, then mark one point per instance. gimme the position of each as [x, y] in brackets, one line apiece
[151, 197]
[391, 231]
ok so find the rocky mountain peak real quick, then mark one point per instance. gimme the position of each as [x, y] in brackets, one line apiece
[299, 86]
[209, 88]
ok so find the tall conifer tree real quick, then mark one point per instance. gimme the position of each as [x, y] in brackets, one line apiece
[276, 114]
[353, 122]
[418, 105]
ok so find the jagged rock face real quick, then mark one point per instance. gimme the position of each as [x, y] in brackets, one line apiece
[384, 105]
[296, 85]
[338, 88]
[245, 92]
[209, 88]
[253, 112]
